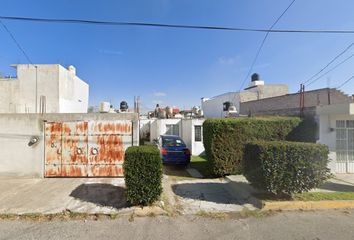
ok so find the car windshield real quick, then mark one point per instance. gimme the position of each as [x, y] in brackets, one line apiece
[172, 142]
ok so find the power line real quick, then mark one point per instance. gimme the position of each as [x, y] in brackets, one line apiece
[143, 24]
[345, 82]
[262, 43]
[16, 42]
[330, 70]
[327, 65]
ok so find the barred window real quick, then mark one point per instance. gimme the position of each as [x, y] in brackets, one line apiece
[172, 129]
[198, 133]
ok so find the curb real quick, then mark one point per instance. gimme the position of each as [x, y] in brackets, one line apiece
[308, 205]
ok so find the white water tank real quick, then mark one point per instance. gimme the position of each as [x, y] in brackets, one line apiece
[105, 107]
[72, 69]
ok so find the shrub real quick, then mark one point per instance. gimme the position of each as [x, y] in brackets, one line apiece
[143, 174]
[224, 139]
[286, 167]
[306, 131]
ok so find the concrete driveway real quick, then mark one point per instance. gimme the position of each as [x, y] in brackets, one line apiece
[54, 195]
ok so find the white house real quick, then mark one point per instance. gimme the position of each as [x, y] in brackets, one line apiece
[336, 130]
[213, 107]
[190, 130]
[43, 87]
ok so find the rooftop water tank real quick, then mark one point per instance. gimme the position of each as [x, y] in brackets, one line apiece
[123, 106]
[104, 107]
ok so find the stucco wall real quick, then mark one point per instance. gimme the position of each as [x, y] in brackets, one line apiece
[186, 132]
[73, 92]
[327, 135]
[213, 107]
[64, 91]
[290, 103]
[18, 159]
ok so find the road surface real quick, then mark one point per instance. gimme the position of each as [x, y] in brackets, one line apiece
[319, 225]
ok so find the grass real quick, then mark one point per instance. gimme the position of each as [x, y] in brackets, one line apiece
[308, 196]
[245, 213]
[200, 163]
[321, 196]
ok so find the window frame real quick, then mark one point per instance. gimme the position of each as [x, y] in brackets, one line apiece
[200, 139]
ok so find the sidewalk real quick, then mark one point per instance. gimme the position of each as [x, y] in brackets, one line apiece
[54, 195]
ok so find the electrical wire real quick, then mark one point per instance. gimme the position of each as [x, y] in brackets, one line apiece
[16, 42]
[345, 82]
[327, 65]
[330, 70]
[143, 24]
[262, 44]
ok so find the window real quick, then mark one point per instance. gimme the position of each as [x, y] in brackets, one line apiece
[198, 133]
[172, 129]
[172, 142]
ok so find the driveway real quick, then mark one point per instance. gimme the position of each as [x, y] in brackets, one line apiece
[54, 195]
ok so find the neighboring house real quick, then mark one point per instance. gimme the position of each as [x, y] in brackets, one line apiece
[289, 104]
[190, 130]
[213, 107]
[336, 130]
[47, 88]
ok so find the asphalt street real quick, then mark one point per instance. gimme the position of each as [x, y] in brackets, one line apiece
[319, 225]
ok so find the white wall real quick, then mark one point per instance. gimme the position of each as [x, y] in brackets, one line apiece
[64, 91]
[73, 92]
[197, 147]
[186, 132]
[16, 157]
[327, 134]
[20, 160]
[213, 107]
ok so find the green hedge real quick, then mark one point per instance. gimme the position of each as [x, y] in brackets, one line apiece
[286, 167]
[143, 174]
[224, 139]
[306, 131]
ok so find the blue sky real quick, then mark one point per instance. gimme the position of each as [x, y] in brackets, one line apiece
[179, 66]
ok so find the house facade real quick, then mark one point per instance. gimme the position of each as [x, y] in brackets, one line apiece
[49, 88]
[257, 89]
[190, 130]
[336, 130]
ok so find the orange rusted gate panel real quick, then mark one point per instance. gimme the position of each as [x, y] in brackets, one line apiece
[74, 145]
[53, 149]
[108, 141]
[86, 149]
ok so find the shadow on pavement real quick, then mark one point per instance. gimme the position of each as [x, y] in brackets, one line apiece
[216, 192]
[338, 187]
[175, 171]
[102, 194]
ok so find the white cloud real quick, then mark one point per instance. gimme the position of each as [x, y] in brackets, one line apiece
[110, 52]
[159, 94]
[227, 60]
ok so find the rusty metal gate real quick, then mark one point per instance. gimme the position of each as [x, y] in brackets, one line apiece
[86, 148]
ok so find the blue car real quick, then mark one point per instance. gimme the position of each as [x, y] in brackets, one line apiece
[174, 150]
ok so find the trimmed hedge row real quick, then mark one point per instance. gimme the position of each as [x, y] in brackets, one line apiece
[143, 174]
[286, 167]
[224, 139]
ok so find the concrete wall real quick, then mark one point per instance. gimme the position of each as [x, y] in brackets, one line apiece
[16, 130]
[327, 134]
[213, 107]
[73, 92]
[197, 147]
[16, 157]
[9, 89]
[289, 104]
[63, 90]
